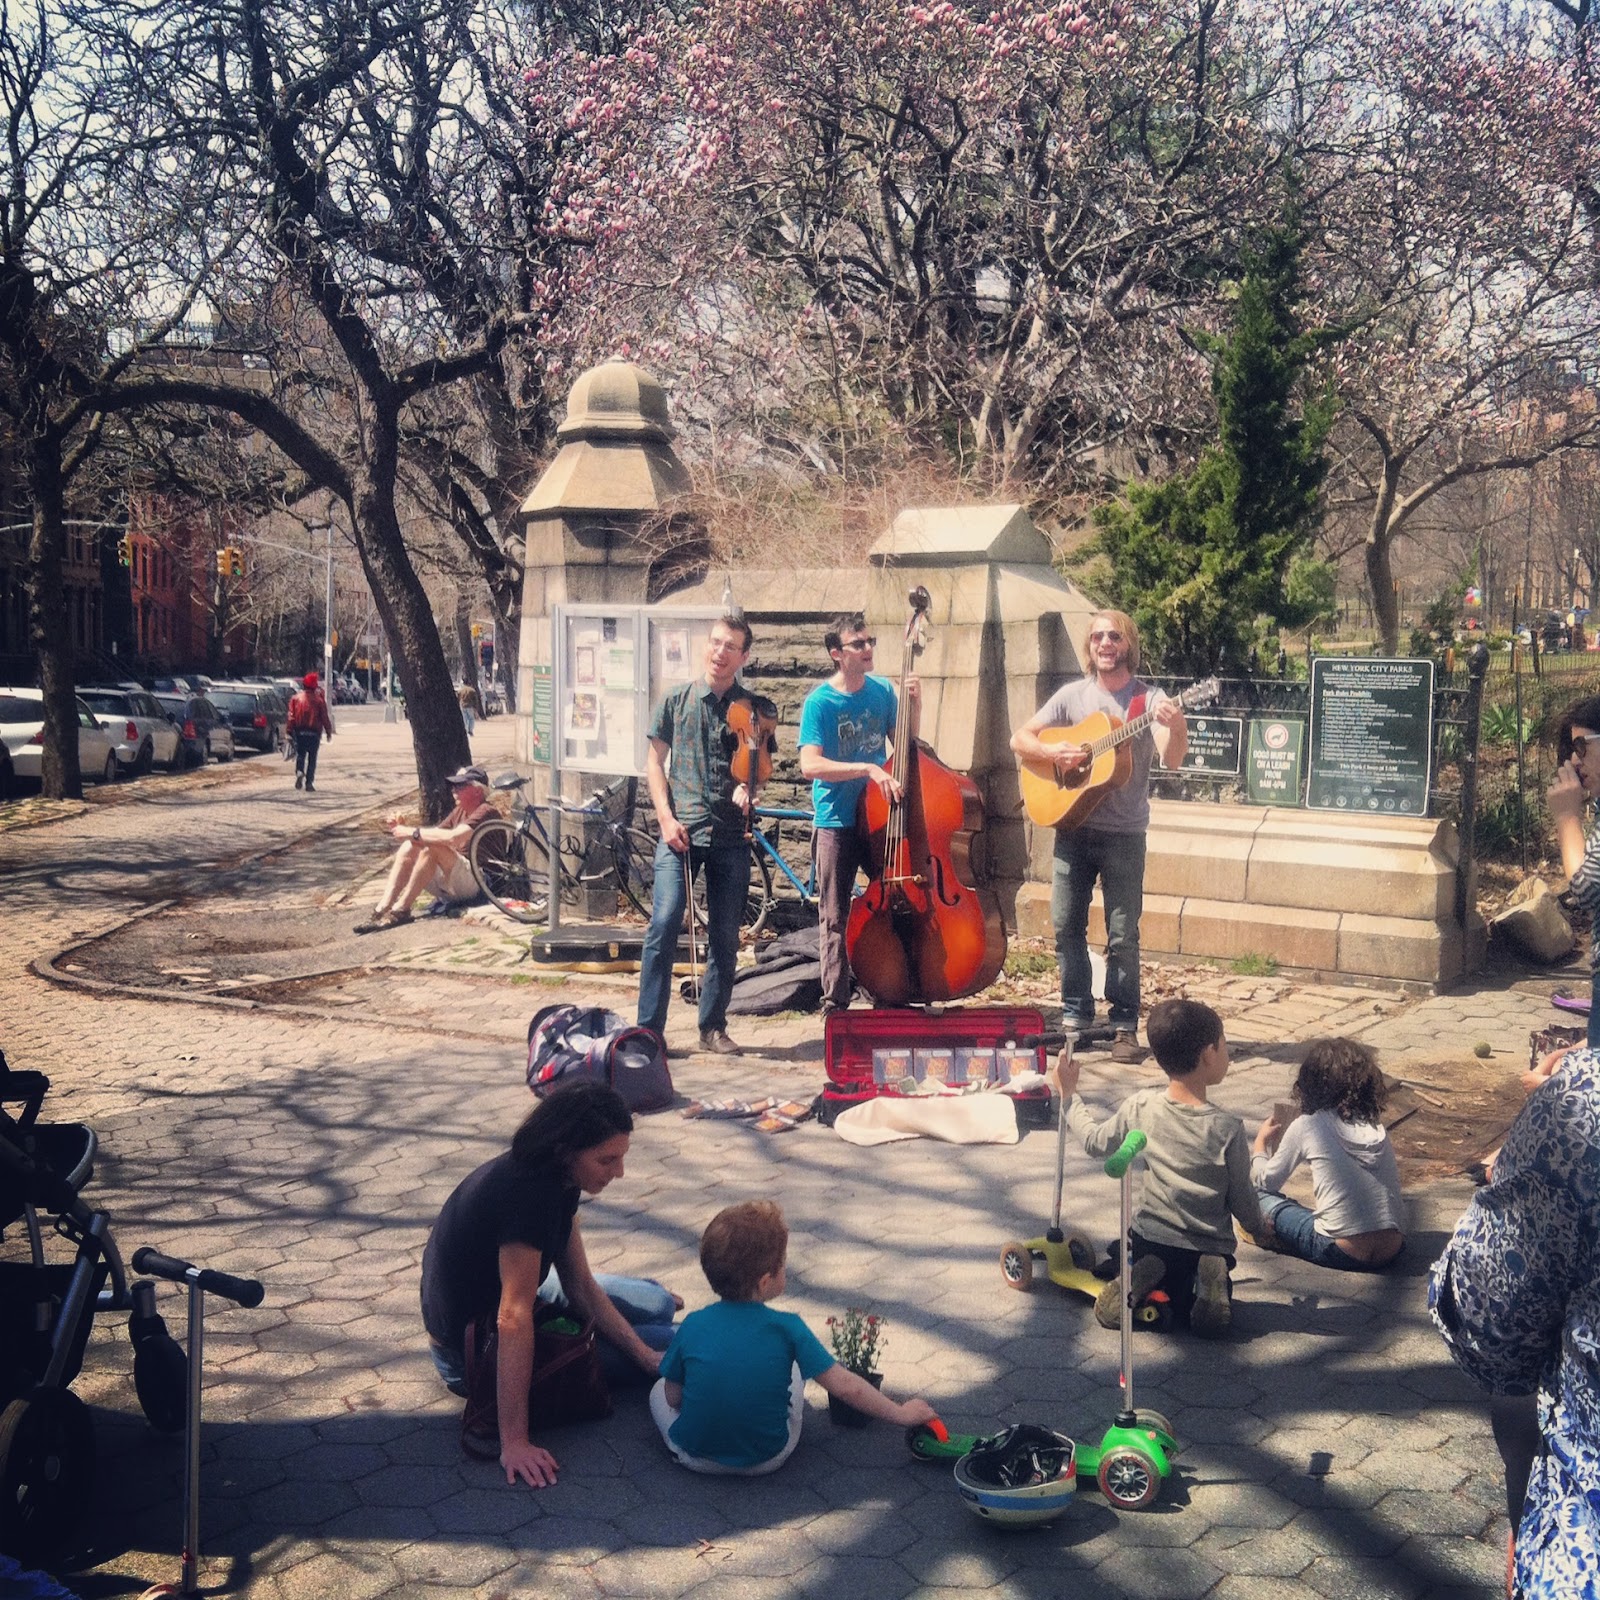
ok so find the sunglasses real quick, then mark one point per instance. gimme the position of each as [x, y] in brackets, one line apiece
[1581, 743]
[1110, 635]
[860, 644]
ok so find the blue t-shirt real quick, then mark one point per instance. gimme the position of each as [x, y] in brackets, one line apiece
[735, 1360]
[847, 727]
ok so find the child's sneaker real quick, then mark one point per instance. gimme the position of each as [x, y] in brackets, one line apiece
[1148, 1271]
[1212, 1313]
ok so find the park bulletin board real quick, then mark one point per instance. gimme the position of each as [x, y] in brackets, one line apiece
[613, 665]
[1371, 735]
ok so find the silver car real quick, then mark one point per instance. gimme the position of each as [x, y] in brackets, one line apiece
[22, 731]
[147, 735]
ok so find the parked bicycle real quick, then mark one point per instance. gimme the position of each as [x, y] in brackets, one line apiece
[765, 854]
[513, 861]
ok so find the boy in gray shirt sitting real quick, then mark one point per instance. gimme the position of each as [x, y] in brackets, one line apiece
[1196, 1172]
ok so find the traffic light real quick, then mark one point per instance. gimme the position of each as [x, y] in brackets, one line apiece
[223, 565]
[236, 561]
[125, 551]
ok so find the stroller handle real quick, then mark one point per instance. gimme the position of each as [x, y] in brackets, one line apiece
[246, 1292]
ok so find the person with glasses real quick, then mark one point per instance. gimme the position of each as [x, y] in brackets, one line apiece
[1577, 782]
[1110, 845]
[846, 730]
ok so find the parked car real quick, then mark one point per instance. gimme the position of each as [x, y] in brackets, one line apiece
[22, 732]
[147, 736]
[254, 712]
[205, 731]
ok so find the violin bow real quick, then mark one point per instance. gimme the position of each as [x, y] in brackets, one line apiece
[694, 959]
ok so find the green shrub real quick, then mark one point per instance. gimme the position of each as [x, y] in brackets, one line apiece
[1254, 965]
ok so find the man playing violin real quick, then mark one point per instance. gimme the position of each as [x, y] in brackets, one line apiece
[845, 728]
[703, 813]
[1110, 846]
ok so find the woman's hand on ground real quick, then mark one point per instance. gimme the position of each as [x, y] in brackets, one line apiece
[530, 1462]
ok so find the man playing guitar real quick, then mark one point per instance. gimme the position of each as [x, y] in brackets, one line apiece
[1110, 845]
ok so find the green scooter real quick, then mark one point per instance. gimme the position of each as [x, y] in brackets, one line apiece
[1135, 1453]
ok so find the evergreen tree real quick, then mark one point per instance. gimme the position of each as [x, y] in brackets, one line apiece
[1200, 557]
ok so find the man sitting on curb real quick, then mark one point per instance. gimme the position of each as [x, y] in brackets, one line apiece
[434, 858]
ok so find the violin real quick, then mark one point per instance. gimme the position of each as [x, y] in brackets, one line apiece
[755, 721]
[923, 931]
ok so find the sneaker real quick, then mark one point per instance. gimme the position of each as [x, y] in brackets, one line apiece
[1212, 1313]
[299, 781]
[311, 788]
[1126, 1047]
[1148, 1271]
[715, 1041]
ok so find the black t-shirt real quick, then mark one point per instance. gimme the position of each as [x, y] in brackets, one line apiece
[503, 1202]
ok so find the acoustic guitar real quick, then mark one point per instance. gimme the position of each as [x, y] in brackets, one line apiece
[1054, 800]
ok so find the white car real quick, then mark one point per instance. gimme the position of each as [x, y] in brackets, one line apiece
[147, 735]
[22, 730]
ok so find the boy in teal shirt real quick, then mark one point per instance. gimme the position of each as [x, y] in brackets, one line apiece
[732, 1391]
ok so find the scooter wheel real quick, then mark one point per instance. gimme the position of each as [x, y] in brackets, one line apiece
[161, 1381]
[1016, 1265]
[46, 1472]
[1128, 1478]
[1153, 1419]
[1081, 1250]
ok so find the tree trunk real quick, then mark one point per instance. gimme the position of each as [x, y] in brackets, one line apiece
[60, 778]
[438, 735]
[507, 639]
[1380, 564]
[464, 641]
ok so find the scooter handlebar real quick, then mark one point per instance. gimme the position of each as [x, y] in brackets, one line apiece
[1121, 1158]
[246, 1292]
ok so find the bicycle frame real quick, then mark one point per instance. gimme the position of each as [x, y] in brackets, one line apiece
[807, 890]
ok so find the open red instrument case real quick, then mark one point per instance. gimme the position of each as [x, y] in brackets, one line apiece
[869, 1053]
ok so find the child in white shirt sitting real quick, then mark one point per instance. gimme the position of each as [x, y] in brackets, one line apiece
[1356, 1223]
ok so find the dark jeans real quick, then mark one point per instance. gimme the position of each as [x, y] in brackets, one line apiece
[1117, 860]
[1182, 1267]
[840, 853]
[727, 870]
[307, 741]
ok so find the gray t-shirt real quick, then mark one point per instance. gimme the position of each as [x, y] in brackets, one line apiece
[1124, 810]
[1353, 1173]
[1196, 1168]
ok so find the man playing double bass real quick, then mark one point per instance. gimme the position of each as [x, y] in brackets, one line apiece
[845, 728]
[1110, 845]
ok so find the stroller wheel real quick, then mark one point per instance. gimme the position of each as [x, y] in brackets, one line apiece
[46, 1471]
[161, 1381]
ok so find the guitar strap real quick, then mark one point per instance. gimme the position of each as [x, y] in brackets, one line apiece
[1136, 706]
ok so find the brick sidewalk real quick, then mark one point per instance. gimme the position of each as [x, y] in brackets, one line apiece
[1329, 1445]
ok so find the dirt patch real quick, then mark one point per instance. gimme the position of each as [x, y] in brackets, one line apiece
[1448, 1112]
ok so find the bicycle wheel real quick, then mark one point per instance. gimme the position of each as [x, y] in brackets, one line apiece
[633, 854]
[513, 869]
[758, 903]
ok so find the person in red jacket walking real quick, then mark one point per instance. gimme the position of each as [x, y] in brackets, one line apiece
[309, 719]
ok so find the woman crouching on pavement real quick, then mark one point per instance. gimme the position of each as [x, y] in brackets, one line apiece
[509, 1236]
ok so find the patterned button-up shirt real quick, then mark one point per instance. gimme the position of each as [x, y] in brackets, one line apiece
[693, 723]
[1516, 1295]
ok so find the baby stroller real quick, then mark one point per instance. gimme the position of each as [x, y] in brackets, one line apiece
[47, 1310]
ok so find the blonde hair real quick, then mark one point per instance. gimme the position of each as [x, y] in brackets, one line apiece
[1125, 625]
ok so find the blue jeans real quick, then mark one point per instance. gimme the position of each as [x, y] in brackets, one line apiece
[727, 870]
[648, 1307]
[1593, 1038]
[1297, 1233]
[1117, 860]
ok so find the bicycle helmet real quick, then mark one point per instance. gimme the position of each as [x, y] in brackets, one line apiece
[1020, 1477]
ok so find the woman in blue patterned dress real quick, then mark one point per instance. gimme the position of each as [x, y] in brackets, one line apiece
[1516, 1295]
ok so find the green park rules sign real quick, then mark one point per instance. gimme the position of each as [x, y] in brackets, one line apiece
[544, 713]
[1371, 735]
[1276, 761]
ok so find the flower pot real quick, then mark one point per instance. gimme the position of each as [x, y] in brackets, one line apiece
[847, 1415]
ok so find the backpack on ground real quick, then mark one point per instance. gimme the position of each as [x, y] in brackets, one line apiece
[787, 976]
[568, 1041]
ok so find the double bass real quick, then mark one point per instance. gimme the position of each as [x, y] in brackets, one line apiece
[923, 931]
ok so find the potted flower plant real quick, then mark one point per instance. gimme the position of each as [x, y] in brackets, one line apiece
[857, 1337]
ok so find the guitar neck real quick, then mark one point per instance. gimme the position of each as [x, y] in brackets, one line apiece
[1129, 730]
